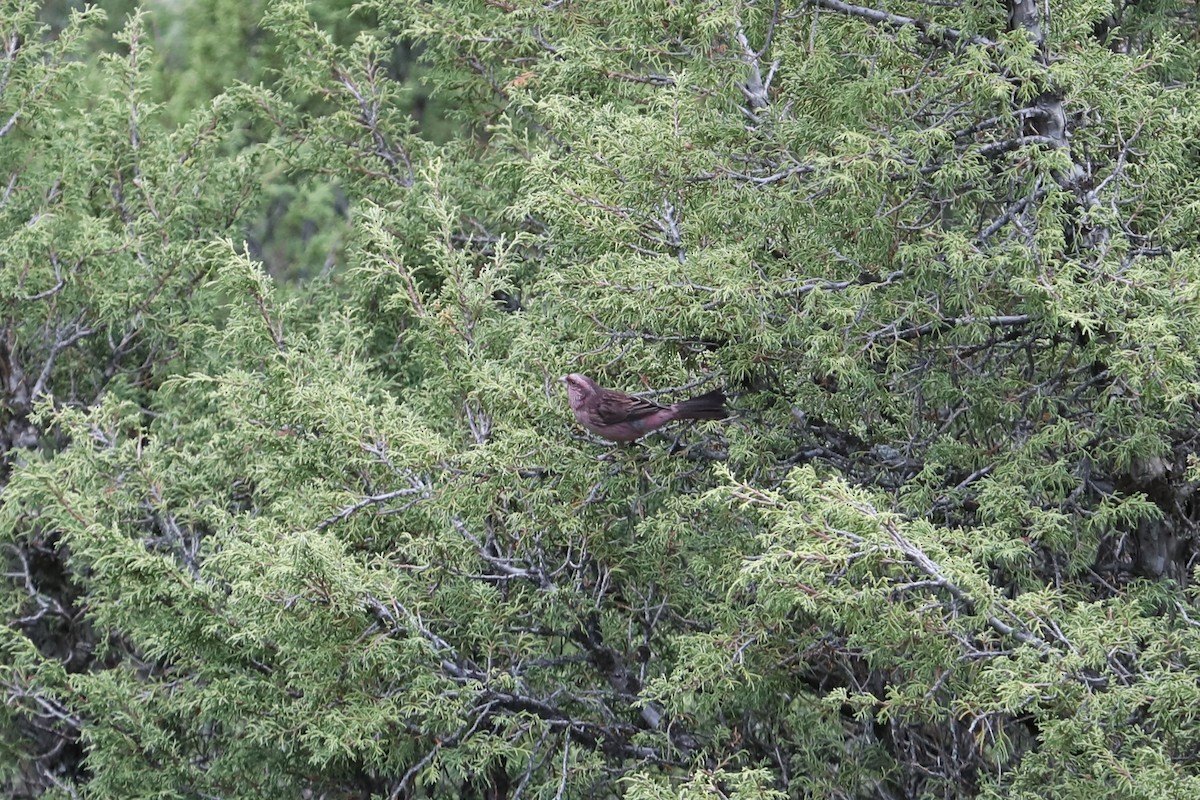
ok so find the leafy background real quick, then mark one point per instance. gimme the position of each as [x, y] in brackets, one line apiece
[291, 504]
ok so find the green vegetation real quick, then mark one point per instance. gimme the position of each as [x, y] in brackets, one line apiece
[292, 505]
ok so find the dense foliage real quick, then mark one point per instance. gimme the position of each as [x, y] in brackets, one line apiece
[291, 503]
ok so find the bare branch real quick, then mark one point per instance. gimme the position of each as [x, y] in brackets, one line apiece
[931, 32]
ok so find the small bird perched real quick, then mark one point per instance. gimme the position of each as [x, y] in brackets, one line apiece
[622, 417]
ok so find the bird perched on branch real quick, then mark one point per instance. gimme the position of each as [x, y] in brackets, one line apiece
[622, 417]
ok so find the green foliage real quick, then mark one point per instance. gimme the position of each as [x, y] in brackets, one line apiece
[292, 504]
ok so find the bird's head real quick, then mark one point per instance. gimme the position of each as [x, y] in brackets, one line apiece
[578, 386]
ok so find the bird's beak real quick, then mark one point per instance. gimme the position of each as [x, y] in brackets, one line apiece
[563, 379]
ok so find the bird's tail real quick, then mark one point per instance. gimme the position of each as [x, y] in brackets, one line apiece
[707, 406]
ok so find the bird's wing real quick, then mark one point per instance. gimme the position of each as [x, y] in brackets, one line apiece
[615, 407]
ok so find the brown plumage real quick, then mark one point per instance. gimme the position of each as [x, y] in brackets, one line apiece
[622, 417]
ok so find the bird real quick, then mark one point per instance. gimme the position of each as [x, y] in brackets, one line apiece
[622, 417]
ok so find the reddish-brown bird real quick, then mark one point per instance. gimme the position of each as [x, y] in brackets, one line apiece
[622, 417]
